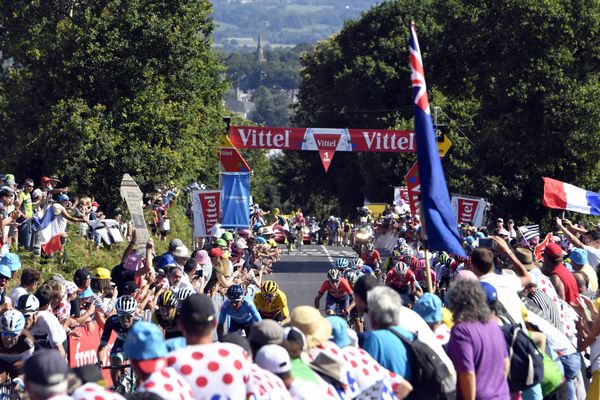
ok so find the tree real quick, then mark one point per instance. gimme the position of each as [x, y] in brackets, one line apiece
[516, 82]
[104, 87]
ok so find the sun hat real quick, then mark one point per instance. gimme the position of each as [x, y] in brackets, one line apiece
[145, 345]
[267, 230]
[181, 251]
[175, 243]
[266, 332]
[327, 365]
[12, 261]
[202, 257]
[310, 321]
[429, 307]
[133, 262]
[579, 256]
[101, 273]
[525, 256]
[293, 334]
[273, 358]
[339, 331]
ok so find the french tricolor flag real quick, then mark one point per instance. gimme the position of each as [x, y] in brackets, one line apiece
[49, 231]
[564, 196]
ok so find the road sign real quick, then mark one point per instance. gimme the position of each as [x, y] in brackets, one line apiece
[444, 145]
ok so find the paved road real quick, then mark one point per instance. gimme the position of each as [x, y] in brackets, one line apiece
[300, 274]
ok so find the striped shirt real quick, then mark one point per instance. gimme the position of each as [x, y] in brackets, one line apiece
[547, 306]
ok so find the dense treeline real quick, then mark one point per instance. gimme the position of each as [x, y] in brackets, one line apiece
[517, 83]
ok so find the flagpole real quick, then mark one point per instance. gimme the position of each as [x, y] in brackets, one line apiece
[424, 240]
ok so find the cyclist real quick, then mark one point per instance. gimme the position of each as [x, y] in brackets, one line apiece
[271, 302]
[339, 293]
[166, 315]
[342, 264]
[402, 279]
[16, 344]
[28, 305]
[355, 321]
[371, 257]
[242, 313]
[347, 229]
[120, 322]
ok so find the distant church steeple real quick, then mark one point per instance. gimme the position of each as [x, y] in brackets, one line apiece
[260, 56]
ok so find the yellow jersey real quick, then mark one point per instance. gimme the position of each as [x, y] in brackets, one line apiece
[279, 304]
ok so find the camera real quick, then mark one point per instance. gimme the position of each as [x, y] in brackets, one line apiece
[487, 243]
[199, 273]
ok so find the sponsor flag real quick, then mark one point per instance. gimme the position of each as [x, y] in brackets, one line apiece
[469, 209]
[413, 188]
[236, 200]
[440, 222]
[206, 205]
[49, 230]
[564, 196]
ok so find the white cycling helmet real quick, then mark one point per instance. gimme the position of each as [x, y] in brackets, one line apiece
[126, 305]
[12, 322]
[28, 303]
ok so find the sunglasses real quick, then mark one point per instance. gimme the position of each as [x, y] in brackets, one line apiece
[268, 296]
[126, 317]
[9, 334]
[28, 315]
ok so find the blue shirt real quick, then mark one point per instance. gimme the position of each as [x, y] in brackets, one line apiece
[389, 351]
[246, 313]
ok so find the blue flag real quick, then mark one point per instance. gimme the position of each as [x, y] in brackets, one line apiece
[440, 222]
[236, 200]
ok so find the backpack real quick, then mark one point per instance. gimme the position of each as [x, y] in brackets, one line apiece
[431, 379]
[526, 361]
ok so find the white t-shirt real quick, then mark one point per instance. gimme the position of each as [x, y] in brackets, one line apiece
[557, 340]
[593, 256]
[47, 331]
[507, 287]
[412, 322]
[17, 292]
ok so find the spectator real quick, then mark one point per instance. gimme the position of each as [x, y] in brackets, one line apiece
[29, 282]
[25, 205]
[382, 344]
[211, 369]
[476, 345]
[46, 374]
[561, 278]
[429, 307]
[579, 261]
[482, 264]
[145, 347]
[590, 239]
[5, 275]
[47, 330]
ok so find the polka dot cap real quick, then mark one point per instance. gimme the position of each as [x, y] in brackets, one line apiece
[168, 384]
[216, 370]
[92, 391]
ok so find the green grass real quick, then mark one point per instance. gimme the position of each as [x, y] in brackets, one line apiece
[79, 252]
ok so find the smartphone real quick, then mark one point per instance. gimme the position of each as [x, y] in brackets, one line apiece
[199, 273]
[487, 243]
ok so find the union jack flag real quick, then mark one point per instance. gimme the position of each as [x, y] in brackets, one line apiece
[418, 73]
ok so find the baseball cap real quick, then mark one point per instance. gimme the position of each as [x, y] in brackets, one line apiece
[429, 307]
[12, 261]
[47, 368]
[339, 331]
[499, 220]
[175, 243]
[133, 262]
[490, 292]
[273, 358]
[145, 345]
[165, 260]
[198, 308]
[216, 252]
[101, 273]
[6, 191]
[240, 244]
[265, 332]
[10, 179]
[553, 250]
[36, 194]
[578, 256]
[45, 179]
[503, 232]
[63, 197]
[227, 236]
[220, 243]
[81, 275]
[202, 257]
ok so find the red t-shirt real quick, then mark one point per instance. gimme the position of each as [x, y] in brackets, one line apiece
[371, 260]
[343, 288]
